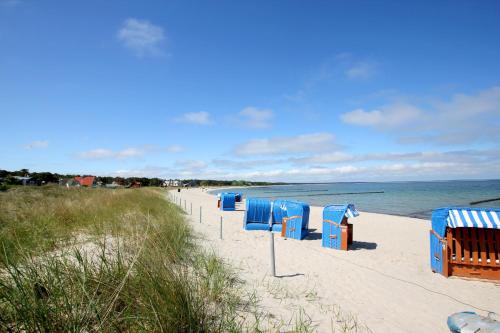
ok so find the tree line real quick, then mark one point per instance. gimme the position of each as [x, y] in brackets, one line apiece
[40, 178]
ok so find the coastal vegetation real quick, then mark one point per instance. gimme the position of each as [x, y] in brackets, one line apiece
[10, 178]
[101, 260]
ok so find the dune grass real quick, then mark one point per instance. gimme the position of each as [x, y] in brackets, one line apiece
[143, 272]
[39, 219]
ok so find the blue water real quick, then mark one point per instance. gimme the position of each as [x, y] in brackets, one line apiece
[415, 199]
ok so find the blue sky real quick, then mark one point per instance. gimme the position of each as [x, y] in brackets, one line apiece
[261, 90]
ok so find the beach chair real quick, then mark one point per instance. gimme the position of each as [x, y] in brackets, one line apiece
[290, 218]
[238, 197]
[466, 242]
[337, 232]
[257, 214]
[227, 201]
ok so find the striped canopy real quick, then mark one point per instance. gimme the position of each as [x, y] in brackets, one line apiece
[457, 217]
[473, 218]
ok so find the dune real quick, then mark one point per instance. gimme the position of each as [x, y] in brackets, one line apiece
[383, 284]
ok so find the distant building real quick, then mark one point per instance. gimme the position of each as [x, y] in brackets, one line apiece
[135, 184]
[68, 182]
[172, 182]
[85, 181]
[24, 180]
[113, 185]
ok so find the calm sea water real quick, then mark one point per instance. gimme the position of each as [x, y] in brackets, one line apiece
[415, 199]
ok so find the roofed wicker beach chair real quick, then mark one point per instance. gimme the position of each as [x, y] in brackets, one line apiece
[257, 214]
[337, 232]
[290, 218]
[227, 201]
[466, 242]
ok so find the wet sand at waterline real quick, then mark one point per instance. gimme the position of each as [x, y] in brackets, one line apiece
[384, 282]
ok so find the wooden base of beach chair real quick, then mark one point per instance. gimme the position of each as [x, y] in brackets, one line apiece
[344, 244]
[487, 273]
[347, 231]
[473, 253]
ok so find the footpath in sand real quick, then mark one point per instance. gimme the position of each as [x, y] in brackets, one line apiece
[383, 283]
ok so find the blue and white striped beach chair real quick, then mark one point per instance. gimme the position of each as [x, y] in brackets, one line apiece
[466, 242]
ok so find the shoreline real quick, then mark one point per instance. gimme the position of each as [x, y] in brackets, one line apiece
[384, 281]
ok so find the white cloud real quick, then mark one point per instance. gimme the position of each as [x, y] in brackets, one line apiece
[361, 71]
[191, 165]
[37, 144]
[389, 116]
[147, 171]
[350, 167]
[141, 36]
[96, 153]
[129, 152]
[245, 164]
[287, 145]
[256, 118]
[102, 153]
[362, 117]
[174, 149]
[391, 171]
[325, 158]
[197, 118]
[469, 156]
[462, 119]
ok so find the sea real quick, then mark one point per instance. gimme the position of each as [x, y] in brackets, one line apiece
[413, 198]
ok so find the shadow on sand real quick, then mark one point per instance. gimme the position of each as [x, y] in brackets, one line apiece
[289, 275]
[362, 246]
[356, 245]
[313, 235]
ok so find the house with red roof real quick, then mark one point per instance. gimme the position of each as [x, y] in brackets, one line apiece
[85, 181]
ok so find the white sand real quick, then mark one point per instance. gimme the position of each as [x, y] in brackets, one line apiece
[386, 283]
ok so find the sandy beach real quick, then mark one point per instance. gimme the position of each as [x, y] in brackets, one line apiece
[384, 283]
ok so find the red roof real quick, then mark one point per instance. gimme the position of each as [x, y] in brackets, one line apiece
[85, 181]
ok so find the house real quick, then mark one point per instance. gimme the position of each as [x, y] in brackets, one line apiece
[134, 184]
[68, 182]
[172, 182]
[113, 185]
[85, 181]
[24, 180]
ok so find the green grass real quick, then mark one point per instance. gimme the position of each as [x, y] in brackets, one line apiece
[150, 277]
[40, 219]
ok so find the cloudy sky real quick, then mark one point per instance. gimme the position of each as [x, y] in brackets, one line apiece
[257, 90]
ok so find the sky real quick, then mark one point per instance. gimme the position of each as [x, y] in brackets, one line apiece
[294, 91]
